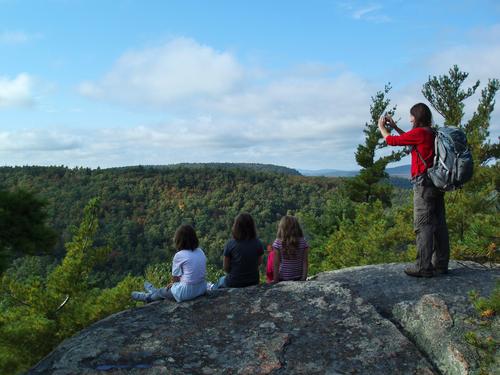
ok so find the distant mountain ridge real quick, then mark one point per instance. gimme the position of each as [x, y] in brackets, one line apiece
[401, 171]
[248, 166]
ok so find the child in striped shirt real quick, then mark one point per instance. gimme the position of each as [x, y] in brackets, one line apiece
[291, 251]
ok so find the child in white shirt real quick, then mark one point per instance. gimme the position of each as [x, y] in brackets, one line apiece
[188, 271]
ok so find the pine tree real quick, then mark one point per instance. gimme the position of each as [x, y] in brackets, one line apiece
[367, 186]
[37, 312]
[446, 95]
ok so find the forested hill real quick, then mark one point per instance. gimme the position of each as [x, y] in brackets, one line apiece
[142, 206]
[250, 166]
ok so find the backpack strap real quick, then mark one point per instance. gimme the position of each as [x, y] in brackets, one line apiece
[420, 156]
[435, 146]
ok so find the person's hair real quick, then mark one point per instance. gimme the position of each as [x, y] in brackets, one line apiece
[290, 233]
[422, 114]
[244, 227]
[185, 238]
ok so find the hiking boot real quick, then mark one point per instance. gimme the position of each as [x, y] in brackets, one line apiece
[141, 296]
[411, 271]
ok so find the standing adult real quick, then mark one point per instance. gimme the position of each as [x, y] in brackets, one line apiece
[429, 221]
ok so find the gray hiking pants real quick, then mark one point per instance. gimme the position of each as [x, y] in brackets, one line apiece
[429, 223]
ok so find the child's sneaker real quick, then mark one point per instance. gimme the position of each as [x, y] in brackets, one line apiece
[210, 285]
[141, 296]
[148, 287]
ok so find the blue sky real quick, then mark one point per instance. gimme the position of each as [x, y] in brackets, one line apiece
[114, 83]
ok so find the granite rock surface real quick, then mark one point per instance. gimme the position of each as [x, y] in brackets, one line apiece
[362, 320]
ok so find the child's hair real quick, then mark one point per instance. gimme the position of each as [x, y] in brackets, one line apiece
[290, 233]
[244, 227]
[185, 238]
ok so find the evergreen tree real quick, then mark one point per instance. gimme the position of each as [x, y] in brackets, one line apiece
[446, 95]
[367, 186]
[374, 235]
[41, 305]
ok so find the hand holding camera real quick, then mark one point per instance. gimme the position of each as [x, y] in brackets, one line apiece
[386, 122]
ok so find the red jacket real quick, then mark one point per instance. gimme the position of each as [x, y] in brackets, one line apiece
[423, 139]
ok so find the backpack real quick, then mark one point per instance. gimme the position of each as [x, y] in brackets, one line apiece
[453, 165]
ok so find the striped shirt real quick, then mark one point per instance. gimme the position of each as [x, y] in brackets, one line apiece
[291, 267]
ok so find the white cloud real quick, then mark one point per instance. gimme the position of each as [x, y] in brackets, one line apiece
[29, 141]
[311, 117]
[16, 92]
[294, 96]
[478, 55]
[310, 139]
[17, 37]
[307, 117]
[178, 70]
[481, 61]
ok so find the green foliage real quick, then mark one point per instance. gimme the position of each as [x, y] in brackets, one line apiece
[477, 129]
[485, 337]
[446, 95]
[369, 185]
[29, 266]
[322, 221]
[159, 274]
[214, 273]
[375, 235]
[487, 306]
[142, 207]
[473, 220]
[22, 226]
[235, 166]
[81, 255]
[33, 317]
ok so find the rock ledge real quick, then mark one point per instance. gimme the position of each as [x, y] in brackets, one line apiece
[361, 320]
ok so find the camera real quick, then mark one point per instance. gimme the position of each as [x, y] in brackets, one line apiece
[387, 120]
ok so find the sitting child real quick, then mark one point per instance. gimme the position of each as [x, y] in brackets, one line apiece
[290, 251]
[188, 271]
[242, 255]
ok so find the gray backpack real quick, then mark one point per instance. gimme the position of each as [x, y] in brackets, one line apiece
[453, 164]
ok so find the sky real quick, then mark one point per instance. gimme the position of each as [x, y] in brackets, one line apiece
[116, 83]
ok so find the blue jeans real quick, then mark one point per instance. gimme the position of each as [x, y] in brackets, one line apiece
[152, 293]
[220, 284]
[161, 293]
